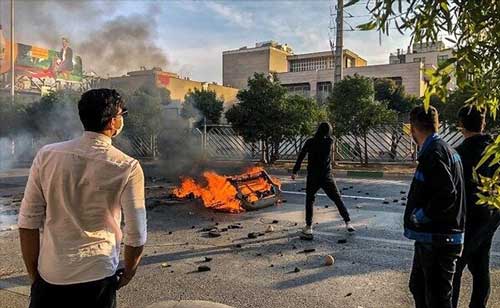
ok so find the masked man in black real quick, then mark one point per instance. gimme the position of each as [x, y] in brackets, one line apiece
[319, 175]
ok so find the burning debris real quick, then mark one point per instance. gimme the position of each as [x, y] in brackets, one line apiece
[253, 190]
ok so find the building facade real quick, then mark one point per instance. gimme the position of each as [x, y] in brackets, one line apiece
[176, 85]
[312, 73]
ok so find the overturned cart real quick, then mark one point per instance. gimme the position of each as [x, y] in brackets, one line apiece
[249, 191]
[256, 190]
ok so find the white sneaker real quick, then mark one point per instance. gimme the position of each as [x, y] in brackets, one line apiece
[349, 227]
[307, 230]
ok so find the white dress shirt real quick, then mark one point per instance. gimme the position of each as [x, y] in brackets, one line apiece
[76, 192]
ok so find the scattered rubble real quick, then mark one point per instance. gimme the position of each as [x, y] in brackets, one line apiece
[329, 260]
[253, 235]
[204, 268]
[308, 250]
[214, 233]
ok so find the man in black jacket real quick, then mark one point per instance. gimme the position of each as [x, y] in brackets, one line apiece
[482, 221]
[319, 175]
[435, 213]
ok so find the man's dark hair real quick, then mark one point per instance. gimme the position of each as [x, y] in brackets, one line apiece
[96, 108]
[423, 120]
[471, 118]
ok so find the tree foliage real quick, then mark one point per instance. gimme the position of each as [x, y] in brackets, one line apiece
[354, 110]
[203, 104]
[55, 116]
[267, 114]
[395, 97]
[146, 112]
[13, 119]
[473, 28]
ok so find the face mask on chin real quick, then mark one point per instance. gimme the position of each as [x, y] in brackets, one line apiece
[119, 130]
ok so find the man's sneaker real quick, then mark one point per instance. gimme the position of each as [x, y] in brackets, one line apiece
[349, 227]
[307, 230]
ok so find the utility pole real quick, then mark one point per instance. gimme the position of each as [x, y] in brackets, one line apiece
[339, 42]
[12, 42]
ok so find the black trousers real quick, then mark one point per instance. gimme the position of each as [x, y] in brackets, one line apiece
[94, 294]
[431, 279]
[478, 262]
[327, 183]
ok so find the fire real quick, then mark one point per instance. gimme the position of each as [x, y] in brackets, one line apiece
[226, 193]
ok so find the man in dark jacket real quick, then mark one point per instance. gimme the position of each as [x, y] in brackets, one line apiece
[319, 174]
[482, 221]
[435, 213]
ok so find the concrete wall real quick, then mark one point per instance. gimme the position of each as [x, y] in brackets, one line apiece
[178, 87]
[278, 61]
[430, 57]
[410, 73]
[238, 66]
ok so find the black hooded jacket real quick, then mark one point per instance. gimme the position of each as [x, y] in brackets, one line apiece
[319, 153]
[471, 152]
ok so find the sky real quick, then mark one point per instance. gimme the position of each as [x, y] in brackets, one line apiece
[187, 37]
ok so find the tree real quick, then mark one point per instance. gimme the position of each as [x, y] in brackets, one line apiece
[353, 110]
[472, 26]
[203, 104]
[13, 117]
[145, 117]
[55, 116]
[394, 95]
[396, 99]
[265, 113]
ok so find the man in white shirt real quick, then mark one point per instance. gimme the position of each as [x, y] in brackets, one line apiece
[74, 199]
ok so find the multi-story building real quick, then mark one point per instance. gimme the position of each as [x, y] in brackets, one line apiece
[431, 54]
[176, 85]
[312, 73]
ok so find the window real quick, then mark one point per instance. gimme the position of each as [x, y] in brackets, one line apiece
[311, 64]
[323, 91]
[298, 88]
[441, 59]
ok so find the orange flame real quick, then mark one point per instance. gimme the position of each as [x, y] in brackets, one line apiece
[220, 194]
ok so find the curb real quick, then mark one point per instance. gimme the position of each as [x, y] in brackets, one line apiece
[350, 173]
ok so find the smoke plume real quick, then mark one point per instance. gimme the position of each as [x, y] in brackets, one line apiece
[108, 46]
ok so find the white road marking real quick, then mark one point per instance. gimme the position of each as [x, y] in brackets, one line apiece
[383, 240]
[343, 196]
[15, 288]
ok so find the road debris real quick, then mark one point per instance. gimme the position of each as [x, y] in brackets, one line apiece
[329, 260]
[308, 250]
[204, 268]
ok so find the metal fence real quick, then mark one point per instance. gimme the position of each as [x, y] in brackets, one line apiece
[382, 144]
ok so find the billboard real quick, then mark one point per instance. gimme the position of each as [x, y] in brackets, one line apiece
[47, 65]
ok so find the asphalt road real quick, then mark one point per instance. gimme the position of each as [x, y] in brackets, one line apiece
[371, 269]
